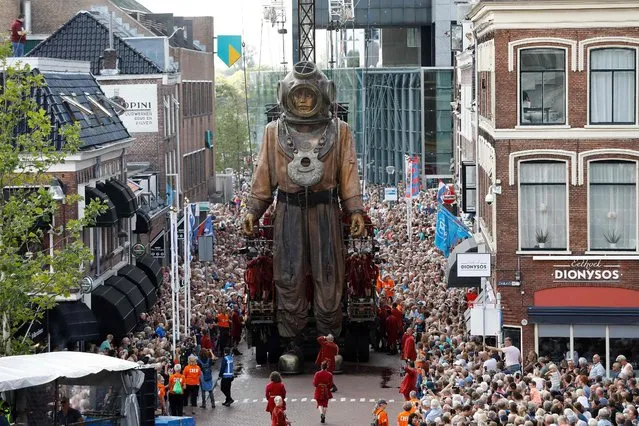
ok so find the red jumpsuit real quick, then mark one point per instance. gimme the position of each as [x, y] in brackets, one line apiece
[408, 348]
[327, 353]
[274, 389]
[236, 327]
[278, 418]
[409, 382]
[323, 382]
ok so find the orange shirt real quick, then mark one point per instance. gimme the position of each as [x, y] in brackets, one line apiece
[223, 321]
[415, 403]
[382, 417]
[176, 377]
[161, 391]
[402, 418]
[192, 375]
[389, 288]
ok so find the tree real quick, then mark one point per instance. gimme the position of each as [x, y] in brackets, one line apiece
[231, 131]
[30, 277]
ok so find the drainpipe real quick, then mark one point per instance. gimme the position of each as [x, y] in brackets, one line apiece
[26, 5]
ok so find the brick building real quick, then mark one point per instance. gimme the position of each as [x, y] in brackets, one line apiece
[115, 292]
[165, 79]
[547, 129]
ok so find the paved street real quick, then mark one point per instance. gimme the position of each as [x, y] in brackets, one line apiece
[358, 389]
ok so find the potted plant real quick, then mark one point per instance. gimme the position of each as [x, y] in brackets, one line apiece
[612, 237]
[542, 238]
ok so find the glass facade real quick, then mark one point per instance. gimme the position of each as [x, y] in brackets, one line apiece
[386, 120]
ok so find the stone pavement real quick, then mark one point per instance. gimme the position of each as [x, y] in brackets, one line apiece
[359, 387]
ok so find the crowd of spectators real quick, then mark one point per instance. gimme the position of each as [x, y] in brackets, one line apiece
[449, 377]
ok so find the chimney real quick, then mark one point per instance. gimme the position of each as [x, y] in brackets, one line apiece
[110, 56]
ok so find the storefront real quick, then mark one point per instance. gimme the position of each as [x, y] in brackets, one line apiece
[591, 309]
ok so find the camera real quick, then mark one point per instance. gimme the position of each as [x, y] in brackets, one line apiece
[490, 198]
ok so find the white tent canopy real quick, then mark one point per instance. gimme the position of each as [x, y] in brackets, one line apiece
[17, 372]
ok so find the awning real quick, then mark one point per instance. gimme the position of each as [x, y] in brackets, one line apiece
[22, 371]
[109, 217]
[469, 245]
[114, 312]
[151, 268]
[142, 222]
[72, 322]
[131, 291]
[576, 315]
[137, 276]
[122, 197]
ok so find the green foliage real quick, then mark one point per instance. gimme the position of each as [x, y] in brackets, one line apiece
[231, 132]
[27, 285]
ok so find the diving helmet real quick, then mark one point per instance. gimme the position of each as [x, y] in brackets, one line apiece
[306, 94]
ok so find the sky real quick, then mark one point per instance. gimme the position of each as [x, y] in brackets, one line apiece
[233, 17]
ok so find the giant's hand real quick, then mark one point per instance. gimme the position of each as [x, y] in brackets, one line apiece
[247, 225]
[357, 225]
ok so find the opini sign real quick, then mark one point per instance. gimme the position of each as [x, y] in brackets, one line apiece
[473, 264]
[141, 105]
[390, 194]
[586, 271]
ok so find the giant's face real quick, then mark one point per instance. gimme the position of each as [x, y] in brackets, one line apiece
[304, 100]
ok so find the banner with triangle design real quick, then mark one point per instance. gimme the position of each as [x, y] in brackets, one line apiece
[229, 48]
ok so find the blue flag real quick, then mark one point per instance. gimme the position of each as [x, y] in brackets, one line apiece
[449, 231]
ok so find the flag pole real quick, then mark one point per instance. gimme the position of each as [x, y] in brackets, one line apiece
[186, 266]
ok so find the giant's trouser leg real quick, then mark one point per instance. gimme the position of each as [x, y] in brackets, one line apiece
[326, 247]
[290, 266]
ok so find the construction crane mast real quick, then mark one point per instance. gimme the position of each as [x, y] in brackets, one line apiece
[306, 29]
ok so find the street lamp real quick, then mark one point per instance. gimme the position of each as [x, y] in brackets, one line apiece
[391, 171]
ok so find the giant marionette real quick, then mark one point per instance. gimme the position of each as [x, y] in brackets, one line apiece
[308, 156]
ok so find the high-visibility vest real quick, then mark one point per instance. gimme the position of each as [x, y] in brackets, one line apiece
[228, 371]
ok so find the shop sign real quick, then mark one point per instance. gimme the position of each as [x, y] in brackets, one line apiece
[473, 264]
[586, 271]
[157, 248]
[141, 105]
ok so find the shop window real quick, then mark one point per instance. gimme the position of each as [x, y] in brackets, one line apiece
[613, 76]
[543, 221]
[588, 341]
[543, 86]
[554, 341]
[613, 205]
[624, 340]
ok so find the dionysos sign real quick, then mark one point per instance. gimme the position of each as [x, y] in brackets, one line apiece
[586, 271]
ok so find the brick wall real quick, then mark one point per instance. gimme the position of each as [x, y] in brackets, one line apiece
[10, 10]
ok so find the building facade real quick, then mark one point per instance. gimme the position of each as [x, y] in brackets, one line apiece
[115, 290]
[546, 137]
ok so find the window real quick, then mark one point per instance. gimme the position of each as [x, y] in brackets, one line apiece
[613, 205]
[543, 86]
[543, 220]
[469, 187]
[612, 86]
